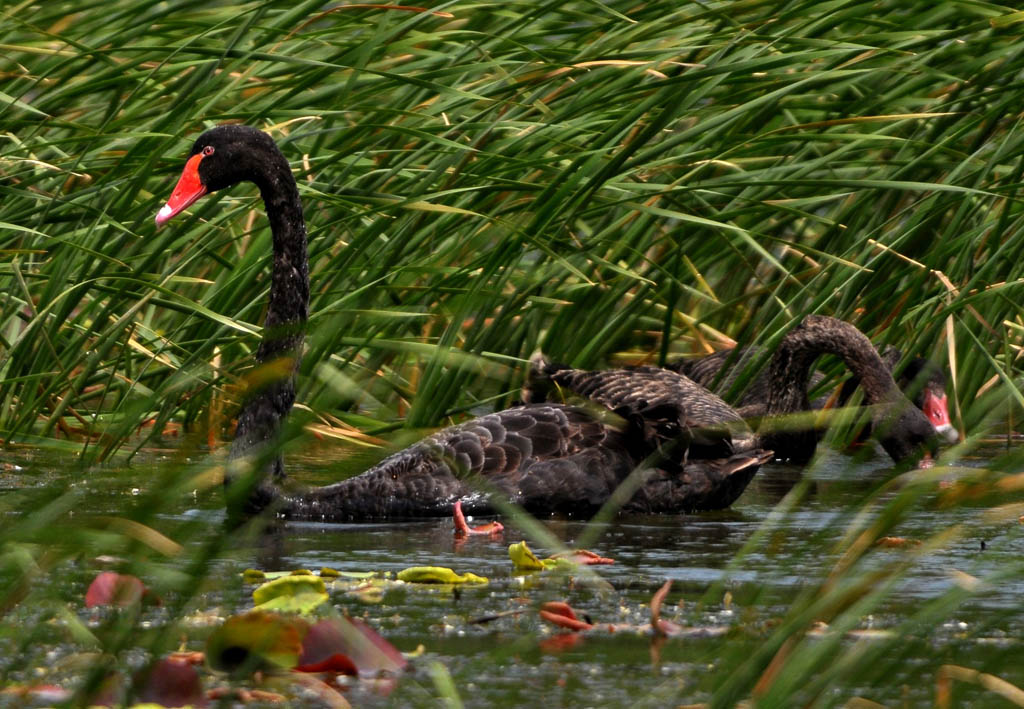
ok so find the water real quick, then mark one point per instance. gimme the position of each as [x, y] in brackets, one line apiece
[731, 605]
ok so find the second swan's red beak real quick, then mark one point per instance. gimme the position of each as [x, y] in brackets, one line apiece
[187, 191]
[937, 411]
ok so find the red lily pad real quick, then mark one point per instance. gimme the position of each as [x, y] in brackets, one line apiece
[561, 614]
[170, 682]
[561, 642]
[45, 694]
[583, 557]
[659, 626]
[337, 664]
[113, 589]
[348, 646]
[462, 528]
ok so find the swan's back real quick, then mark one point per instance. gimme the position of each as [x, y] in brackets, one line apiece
[667, 405]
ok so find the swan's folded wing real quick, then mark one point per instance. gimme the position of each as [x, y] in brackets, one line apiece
[668, 405]
[700, 485]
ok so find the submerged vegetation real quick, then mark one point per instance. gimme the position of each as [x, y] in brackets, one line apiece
[607, 182]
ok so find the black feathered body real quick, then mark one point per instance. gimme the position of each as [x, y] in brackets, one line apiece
[548, 458]
[669, 405]
[703, 454]
[781, 389]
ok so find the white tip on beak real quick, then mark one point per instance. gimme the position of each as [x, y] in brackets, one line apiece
[164, 214]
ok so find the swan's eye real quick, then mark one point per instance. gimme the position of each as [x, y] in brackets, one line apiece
[208, 150]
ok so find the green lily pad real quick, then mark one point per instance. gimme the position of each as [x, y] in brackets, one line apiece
[437, 574]
[291, 594]
[523, 557]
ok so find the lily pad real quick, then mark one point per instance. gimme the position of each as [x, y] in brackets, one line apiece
[255, 641]
[561, 614]
[113, 589]
[348, 646]
[291, 594]
[523, 557]
[170, 682]
[437, 574]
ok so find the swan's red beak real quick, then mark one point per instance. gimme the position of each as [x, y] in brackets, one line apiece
[937, 411]
[187, 191]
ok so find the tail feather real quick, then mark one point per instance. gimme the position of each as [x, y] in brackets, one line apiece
[538, 387]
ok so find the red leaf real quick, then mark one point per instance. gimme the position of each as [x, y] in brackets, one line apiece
[562, 615]
[359, 644]
[113, 589]
[583, 557]
[170, 682]
[38, 695]
[661, 627]
[462, 528]
[337, 663]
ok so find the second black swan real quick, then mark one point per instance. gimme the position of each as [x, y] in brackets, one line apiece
[781, 389]
[922, 380]
[549, 458]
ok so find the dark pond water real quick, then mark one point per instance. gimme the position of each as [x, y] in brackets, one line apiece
[736, 575]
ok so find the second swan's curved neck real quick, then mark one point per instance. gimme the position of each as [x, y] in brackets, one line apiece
[790, 368]
[789, 373]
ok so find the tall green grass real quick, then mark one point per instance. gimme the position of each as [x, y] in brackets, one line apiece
[486, 179]
[602, 180]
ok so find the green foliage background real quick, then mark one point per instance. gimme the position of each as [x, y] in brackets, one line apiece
[603, 180]
[489, 178]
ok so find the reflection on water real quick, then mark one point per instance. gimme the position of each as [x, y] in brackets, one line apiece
[504, 663]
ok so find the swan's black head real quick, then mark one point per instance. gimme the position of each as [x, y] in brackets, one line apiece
[906, 434]
[220, 157]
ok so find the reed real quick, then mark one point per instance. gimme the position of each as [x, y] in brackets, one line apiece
[606, 181]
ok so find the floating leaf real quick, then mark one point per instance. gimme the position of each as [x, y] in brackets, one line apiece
[337, 663]
[523, 557]
[43, 694]
[560, 642]
[561, 614]
[437, 574]
[897, 542]
[525, 560]
[462, 528]
[113, 589]
[583, 557]
[253, 576]
[327, 573]
[348, 646]
[170, 682]
[291, 594]
[256, 640]
[659, 626]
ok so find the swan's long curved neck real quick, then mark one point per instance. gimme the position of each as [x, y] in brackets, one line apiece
[792, 363]
[791, 366]
[272, 384]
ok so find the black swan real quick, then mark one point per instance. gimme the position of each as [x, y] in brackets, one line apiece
[922, 379]
[781, 389]
[549, 458]
[903, 430]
